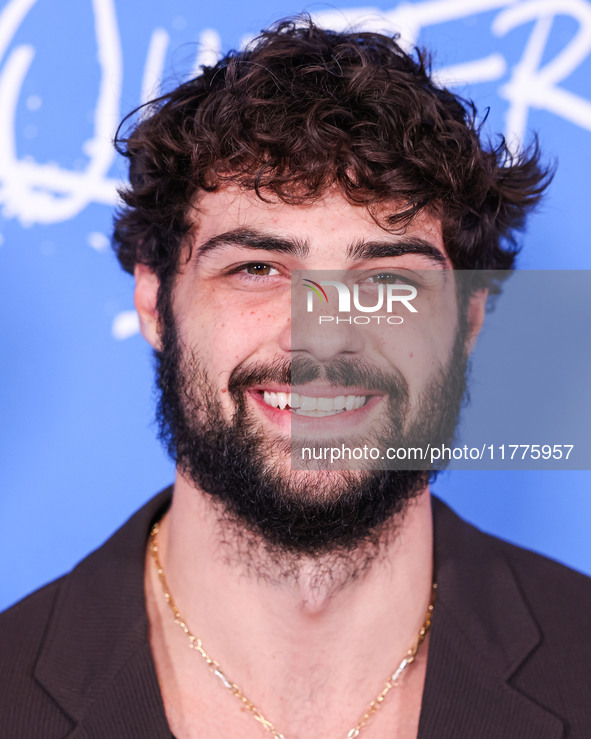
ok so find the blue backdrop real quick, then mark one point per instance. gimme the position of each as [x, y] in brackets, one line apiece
[77, 437]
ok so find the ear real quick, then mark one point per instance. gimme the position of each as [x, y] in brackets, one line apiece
[145, 298]
[476, 314]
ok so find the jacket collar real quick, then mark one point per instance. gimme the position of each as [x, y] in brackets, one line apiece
[97, 665]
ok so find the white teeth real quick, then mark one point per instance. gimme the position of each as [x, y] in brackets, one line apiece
[270, 398]
[316, 413]
[308, 403]
[314, 406]
[325, 404]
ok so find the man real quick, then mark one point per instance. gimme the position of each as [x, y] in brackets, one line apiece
[258, 597]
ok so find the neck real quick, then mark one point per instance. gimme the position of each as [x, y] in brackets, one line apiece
[354, 615]
[203, 557]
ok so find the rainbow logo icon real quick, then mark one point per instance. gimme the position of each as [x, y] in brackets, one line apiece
[315, 287]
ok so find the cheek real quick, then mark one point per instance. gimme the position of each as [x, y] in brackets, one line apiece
[436, 330]
[225, 335]
[423, 344]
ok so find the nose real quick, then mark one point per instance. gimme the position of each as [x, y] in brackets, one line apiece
[318, 329]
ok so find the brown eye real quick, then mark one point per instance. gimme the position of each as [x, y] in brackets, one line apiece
[261, 270]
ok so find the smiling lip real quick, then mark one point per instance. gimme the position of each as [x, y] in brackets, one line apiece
[314, 403]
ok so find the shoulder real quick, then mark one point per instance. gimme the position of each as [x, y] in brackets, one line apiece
[59, 641]
[29, 614]
[22, 633]
[523, 616]
[22, 626]
[557, 673]
[559, 599]
[549, 587]
[541, 577]
[512, 627]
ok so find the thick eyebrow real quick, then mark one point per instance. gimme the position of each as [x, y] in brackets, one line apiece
[357, 251]
[253, 239]
[379, 249]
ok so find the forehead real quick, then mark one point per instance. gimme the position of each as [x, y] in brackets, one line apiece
[329, 225]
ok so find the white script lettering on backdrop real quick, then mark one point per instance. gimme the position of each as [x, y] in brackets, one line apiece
[37, 192]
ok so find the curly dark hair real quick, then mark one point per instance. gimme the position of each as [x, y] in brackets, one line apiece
[303, 109]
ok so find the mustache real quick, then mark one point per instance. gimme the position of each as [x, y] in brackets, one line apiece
[342, 372]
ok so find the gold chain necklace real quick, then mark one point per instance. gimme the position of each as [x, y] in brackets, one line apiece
[196, 644]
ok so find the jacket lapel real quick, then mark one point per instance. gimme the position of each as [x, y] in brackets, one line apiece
[482, 632]
[130, 706]
[96, 662]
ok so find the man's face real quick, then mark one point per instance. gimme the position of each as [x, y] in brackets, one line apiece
[230, 351]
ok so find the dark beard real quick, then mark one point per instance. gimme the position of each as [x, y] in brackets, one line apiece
[305, 513]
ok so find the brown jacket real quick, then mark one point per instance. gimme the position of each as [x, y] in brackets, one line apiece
[509, 655]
